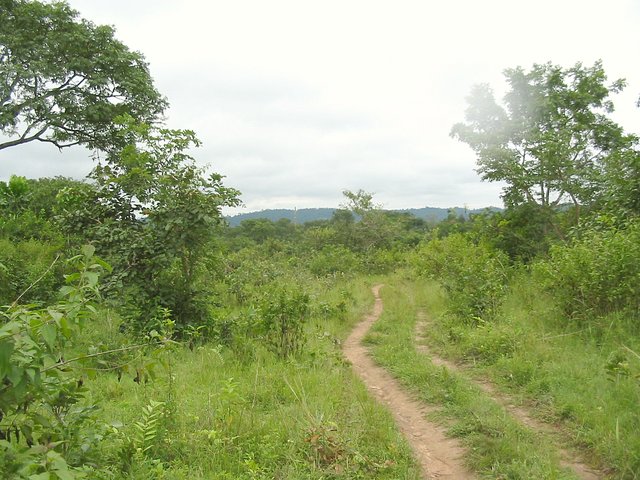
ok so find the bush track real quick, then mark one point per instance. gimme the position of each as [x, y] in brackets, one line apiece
[568, 459]
[439, 456]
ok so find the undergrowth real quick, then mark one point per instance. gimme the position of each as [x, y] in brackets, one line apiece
[497, 445]
[582, 375]
[243, 411]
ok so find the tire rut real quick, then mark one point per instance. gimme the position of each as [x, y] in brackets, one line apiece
[567, 459]
[439, 456]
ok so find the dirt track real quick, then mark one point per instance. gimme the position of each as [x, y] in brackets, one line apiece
[438, 455]
[568, 459]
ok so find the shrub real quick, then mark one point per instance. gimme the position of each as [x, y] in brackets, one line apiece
[27, 266]
[596, 274]
[283, 314]
[40, 409]
[474, 276]
[334, 259]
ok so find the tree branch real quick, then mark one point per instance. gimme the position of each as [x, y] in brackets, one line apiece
[93, 355]
[24, 139]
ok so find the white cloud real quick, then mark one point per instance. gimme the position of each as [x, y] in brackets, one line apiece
[296, 100]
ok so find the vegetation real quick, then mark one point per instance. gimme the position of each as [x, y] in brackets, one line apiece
[142, 337]
[65, 79]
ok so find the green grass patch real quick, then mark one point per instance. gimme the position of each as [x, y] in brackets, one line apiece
[242, 412]
[498, 446]
[581, 376]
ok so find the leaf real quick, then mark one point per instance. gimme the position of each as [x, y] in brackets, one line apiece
[55, 315]
[92, 278]
[6, 349]
[40, 476]
[88, 250]
[49, 332]
[14, 374]
[65, 327]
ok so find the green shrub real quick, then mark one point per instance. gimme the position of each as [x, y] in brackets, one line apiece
[334, 259]
[380, 261]
[474, 276]
[596, 274]
[27, 270]
[42, 419]
[283, 314]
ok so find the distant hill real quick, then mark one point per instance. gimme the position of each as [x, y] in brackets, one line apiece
[304, 215]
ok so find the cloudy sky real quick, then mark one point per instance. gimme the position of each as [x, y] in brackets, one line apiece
[297, 100]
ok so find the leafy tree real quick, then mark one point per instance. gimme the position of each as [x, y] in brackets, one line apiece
[373, 229]
[359, 202]
[13, 195]
[519, 231]
[620, 196]
[550, 139]
[152, 213]
[63, 80]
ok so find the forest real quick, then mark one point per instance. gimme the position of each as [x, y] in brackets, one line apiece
[143, 337]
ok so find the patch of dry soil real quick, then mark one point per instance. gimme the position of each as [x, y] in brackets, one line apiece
[438, 455]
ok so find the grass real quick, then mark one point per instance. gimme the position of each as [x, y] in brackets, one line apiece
[240, 412]
[583, 378]
[498, 446]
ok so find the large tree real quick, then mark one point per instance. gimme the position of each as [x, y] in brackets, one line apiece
[550, 139]
[152, 213]
[63, 79]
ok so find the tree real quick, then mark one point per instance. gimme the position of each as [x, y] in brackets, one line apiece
[63, 80]
[152, 213]
[373, 228]
[550, 140]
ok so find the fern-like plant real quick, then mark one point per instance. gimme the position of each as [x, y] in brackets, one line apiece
[148, 429]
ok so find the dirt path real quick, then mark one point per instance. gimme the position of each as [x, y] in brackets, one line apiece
[438, 455]
[567, 459]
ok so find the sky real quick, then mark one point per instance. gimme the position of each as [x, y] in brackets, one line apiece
[298, 100]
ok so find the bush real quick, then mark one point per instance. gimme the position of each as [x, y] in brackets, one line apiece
[334, 259]
[474, 276]
[27, 264]
[283, 314]
[596, 274]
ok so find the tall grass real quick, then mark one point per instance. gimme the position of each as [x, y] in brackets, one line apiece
[242, 412]
[498, 446]
[581, 374]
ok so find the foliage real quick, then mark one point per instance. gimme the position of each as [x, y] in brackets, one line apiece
[620, 196]
[597, 273]
[283, 314]
[64, 79]
[334, 259]
[474, 276]
[152, 213]
[12, 194]
[148, 428]
[39, 411]
[550, 141]
[580, 382]
[31, 271]
[373, 228]
[520, 231]
[28, 208]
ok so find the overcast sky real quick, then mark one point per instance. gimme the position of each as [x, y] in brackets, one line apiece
[297, 100]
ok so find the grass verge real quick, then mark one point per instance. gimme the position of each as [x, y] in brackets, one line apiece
[581, 376]
[499, 447]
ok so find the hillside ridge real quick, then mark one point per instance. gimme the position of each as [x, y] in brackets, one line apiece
[304, 215]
